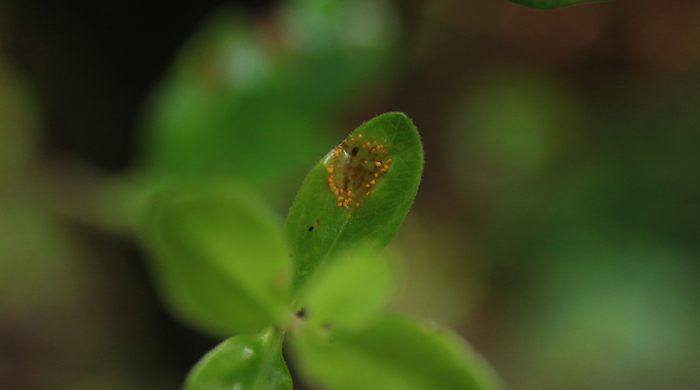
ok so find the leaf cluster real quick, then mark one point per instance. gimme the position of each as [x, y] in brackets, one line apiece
[224, 264]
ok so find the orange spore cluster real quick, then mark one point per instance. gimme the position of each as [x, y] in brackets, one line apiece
[354, 167]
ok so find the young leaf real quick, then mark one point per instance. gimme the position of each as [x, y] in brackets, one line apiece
[359, 192]
[348, 292]
[218, 257]
[550, 4]
[243, 362]
[394, 353]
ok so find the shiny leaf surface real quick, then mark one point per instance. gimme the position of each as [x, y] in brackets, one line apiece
[360, 192]
[254, 97]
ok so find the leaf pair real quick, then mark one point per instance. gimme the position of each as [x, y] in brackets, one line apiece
[224, 264]
[221, 259]
[392, 353]
[253, 97]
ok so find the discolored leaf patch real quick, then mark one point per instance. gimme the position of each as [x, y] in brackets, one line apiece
[360, 192]
[355, 167]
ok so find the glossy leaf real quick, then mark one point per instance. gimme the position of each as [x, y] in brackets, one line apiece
[550, 4]
[218, 256]
[349, 292]
[360, 192]
[394, 353]
[243, 362]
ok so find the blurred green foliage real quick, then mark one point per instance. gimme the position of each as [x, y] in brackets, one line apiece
[513, 126]
[557, 228]
[222, 265]
[255, 99]
[218, 255]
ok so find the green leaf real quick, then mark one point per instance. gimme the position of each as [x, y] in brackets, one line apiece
[218, 256]
[349, 292]
[226, 106]
[254, 97]
[243, 362]
[394, 353]
[385, 154]
[550, 4]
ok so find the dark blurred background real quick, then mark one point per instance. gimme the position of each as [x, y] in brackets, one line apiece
[557, 223]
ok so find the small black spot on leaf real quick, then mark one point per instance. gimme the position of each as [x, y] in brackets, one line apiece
[311, 228]
[354, 151]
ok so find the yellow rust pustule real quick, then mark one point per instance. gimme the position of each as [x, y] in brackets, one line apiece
[356, 167]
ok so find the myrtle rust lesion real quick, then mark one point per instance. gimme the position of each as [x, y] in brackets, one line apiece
[354, 168]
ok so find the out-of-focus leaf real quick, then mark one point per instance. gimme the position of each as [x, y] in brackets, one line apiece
[359, 192]
[218, 255]
[348, 292]
[345, 47]
[256, 98]
[394, 353]
[227, 107]
[549, 4]
[243, 362]
[607, 301]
